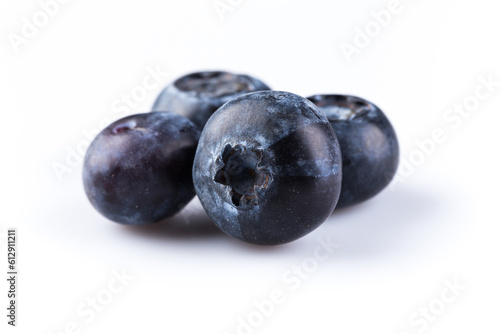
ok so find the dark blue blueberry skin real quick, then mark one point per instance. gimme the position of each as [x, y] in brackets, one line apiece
[198, 95]
[138, 169]
[370, 150]
[268, 167]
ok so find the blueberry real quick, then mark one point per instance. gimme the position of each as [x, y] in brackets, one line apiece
[370, 151]
[268, 167]
[138, 169]
[198, 95]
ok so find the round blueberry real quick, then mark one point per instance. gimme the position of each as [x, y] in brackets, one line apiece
[370, 151]
[198, 95]
[138, 169]
[268, 167]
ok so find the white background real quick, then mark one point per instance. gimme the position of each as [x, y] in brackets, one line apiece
[396, 252]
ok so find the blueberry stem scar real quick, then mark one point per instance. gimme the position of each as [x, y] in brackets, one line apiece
[344, 108]
[241, 171]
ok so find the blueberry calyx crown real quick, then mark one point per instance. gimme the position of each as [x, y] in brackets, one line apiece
[124, 126]
[214, 84]
[341, 107]
[239, 169]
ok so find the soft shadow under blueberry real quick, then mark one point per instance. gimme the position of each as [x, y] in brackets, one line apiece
[193, 224]
[188, 224]
[395, 222]
[385, 224]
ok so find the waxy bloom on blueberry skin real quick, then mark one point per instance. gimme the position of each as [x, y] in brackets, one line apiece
[198, 95]
[138, 169]
[268, 167]
[370, 150]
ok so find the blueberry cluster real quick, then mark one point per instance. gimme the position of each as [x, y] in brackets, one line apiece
[268, 166]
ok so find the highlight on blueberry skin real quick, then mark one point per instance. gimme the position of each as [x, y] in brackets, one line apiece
[138, 169]
[268, 167]
[370, 150]
[198, 95]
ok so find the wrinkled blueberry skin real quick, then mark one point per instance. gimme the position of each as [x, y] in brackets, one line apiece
[138, 169]
[268, 167]
[370, 150]
[198, 95]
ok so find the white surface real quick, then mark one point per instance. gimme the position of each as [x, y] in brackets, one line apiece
[395, 251]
